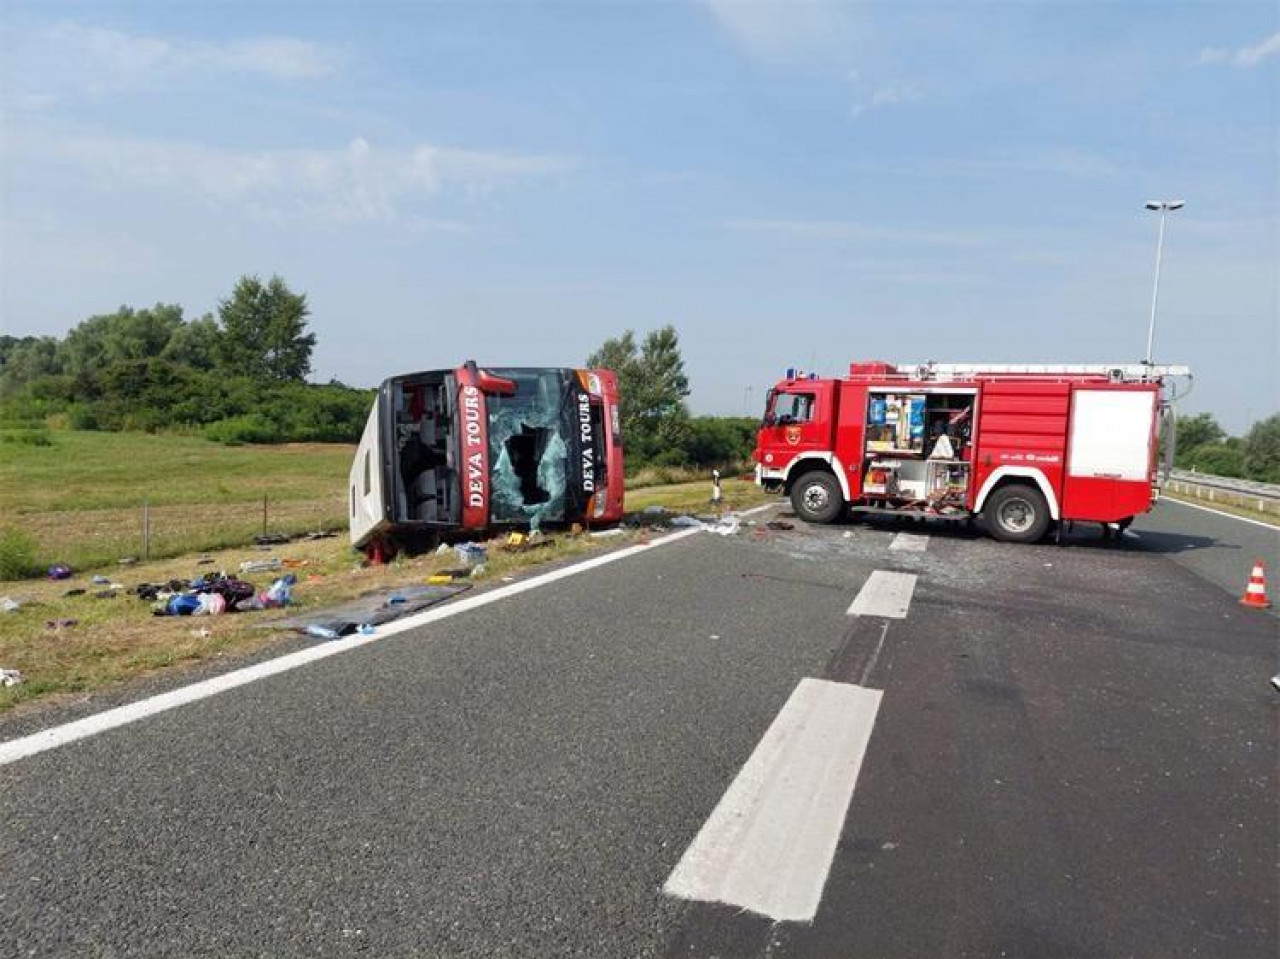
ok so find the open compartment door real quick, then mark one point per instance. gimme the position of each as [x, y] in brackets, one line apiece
[1109, 455]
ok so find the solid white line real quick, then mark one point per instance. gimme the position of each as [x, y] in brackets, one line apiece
[885, 594]
[55, 736]
[911, 542]
[769, 844]
[1218, 512]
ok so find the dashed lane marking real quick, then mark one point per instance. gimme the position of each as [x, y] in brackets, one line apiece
[910, 542]
[885, 594]
[769, 843]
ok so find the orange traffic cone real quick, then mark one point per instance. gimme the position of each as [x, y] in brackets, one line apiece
[1255, 594]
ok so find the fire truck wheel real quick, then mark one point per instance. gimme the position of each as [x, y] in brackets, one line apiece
[1017, 514]
[816, 497]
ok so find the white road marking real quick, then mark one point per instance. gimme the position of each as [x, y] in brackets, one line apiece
[911, 542]
[1218, 512]
[55, 736]
[885, 594]
[769, 843]
[875, 655]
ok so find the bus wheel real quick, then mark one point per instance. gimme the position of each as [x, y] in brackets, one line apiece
[816, 497]
[1017, 513]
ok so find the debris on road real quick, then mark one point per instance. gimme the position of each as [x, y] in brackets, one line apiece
[372, 610]
[446, 576]
[471, 554]
[779, 524]
[11, 677]
[11, 605]
[261, 565]
[59, 624]
[59, 571]
[523, 542]
[727, 525]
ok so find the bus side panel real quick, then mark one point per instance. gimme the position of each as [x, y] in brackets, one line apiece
[1022, 424]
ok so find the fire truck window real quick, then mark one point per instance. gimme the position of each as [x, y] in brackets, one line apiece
[793, 408]
[368, 474]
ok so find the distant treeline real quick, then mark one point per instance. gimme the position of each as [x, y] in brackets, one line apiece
[1204, 446]
[239, 377]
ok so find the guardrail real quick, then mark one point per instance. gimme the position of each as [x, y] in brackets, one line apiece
[1260, 497]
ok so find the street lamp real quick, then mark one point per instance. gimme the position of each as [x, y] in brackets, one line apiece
[1164, 207]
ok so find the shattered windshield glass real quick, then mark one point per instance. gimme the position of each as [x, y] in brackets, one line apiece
[528, 449]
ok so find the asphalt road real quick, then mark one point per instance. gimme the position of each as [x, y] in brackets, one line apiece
[1219, 548]
[1074, 756]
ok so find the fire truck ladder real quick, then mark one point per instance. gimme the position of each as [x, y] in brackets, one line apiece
[1115, 372]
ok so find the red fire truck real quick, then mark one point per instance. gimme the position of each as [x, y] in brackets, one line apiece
[1025, 448]
[470, 448]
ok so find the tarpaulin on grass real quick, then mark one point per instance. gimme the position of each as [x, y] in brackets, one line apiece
[373, 609]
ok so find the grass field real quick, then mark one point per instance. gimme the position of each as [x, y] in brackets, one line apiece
[80, 499]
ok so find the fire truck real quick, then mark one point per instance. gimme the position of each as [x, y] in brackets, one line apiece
[1024, 448]
[470, 448]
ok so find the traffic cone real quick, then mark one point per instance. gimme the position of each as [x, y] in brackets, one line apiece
[1255, 594]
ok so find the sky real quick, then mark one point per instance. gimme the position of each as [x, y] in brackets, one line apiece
[788, 184]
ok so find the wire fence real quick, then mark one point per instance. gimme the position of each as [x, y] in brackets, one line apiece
[85, 538]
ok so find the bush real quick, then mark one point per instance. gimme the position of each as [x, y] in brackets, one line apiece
[237, 430]
[17, 555]
[29, 436]
[1217, 459]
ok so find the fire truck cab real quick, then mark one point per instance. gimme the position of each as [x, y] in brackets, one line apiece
[1025, 448]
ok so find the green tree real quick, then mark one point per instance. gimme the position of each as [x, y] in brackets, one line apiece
[652, 385]
[263, 332]
[25, 359]
[1195, 431]
[127, 335]
[1262, 450]
[194, 344]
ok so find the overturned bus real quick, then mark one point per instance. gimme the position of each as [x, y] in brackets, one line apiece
[471, 448]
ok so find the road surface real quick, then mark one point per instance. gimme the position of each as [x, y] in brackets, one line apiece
[1065, 751]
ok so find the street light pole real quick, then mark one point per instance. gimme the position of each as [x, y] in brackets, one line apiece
[1165, 207]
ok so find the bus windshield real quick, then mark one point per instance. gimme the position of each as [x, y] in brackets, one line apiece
[529, 440]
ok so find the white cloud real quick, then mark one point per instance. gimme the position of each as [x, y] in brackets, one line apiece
[1245, 57]
[868, 96]
[784, 29]
[352, 183]
[72, 57]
